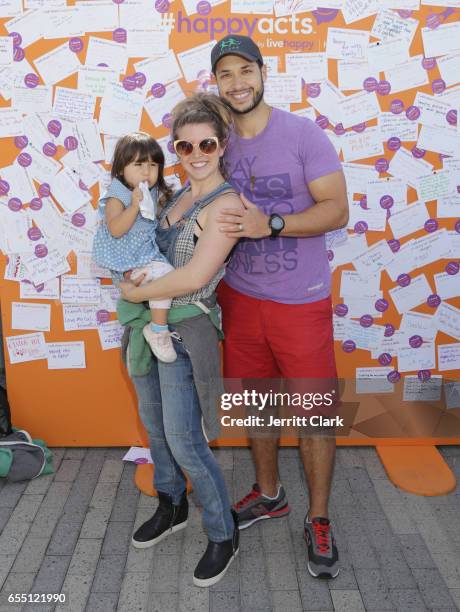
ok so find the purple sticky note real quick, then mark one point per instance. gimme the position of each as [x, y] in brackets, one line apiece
[31, 80]
[54, 127]
[393, 143]
[403, 280]
[385, 359]
[381, 305]
[366, 320]
[14, 204]
[341, 310]
[322, 121]
[70, 143]
[433, 300]
[24, 159]
[348, 346]
[158, 90]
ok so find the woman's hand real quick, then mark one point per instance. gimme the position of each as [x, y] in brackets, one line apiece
[130, 292]
[247, 223]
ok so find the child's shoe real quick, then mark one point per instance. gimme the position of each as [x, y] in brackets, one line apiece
[161, 344]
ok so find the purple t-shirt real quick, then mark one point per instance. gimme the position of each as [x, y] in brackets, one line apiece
[272, 170]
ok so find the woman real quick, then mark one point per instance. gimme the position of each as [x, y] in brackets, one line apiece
[174, 398]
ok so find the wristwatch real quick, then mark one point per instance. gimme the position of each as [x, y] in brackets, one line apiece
[276, 224]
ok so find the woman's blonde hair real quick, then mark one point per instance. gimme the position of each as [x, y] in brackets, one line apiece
[203, 108]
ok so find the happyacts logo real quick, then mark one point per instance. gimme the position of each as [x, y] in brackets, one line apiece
[218, 26]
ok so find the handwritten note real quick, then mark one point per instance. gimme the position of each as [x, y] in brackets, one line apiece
[26, 347]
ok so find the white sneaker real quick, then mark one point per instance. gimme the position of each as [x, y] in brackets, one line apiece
[161, 344]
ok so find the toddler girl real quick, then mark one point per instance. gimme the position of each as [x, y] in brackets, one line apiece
[125, 239]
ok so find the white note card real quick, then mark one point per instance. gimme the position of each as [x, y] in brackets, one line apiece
[66, 355]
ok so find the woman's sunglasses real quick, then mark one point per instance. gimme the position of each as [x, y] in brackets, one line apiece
[206, 146]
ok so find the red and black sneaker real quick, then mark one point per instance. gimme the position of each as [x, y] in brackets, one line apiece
[323, 556]
[256, 506]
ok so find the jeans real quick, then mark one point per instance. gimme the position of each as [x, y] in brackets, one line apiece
[170, 411]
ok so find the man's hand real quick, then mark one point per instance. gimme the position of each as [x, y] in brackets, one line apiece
[248, 223]
[130, 292]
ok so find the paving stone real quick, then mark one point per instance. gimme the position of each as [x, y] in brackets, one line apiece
[314, 593]
[104, 494]
[125, 506]
[281, 572]
[76, 589]
[51, 575]
[39, 486]
[407, 600]
[75, 453]
[254, 589]
[85, 558]
[18, 582]
[31, 555]
[5, 514]
[165, 573]
[109, 574]
[68, 470]
[163, 602]
[224, 457]
[102, 602]
[111, 471]
[11, 494]
[50, 509]
[286, 601]
[401, 522]
[395, 570]
[64, 539]
[448, 563]
[433, 588]
[415, 551]
[276, 536]
[12, 537]
[134, 592]
[373, 589]
[231, 581]
[117, 538]
[141, 559]
[95, 523]
[228, 601]
[26, 508]
[6, 562]
[347, 601]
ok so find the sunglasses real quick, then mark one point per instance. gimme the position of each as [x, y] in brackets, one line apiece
[183, 148]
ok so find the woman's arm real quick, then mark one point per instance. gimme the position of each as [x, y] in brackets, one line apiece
[120, 219]
[210, 254]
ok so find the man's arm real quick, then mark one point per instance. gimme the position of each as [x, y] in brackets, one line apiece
[329, 212]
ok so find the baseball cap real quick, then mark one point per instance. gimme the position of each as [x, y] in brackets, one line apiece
[236, 45]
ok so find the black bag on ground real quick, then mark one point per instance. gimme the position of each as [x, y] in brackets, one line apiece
[5, 415]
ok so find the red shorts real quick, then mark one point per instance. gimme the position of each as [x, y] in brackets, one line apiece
[265, 339]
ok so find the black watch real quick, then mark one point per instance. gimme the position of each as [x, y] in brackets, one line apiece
[276, 224]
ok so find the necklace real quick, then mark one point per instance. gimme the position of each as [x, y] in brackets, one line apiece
[252, 178]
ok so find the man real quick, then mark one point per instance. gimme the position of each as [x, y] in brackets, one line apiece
[276, 293]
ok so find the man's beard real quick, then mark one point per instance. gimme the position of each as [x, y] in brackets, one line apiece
[257, 100]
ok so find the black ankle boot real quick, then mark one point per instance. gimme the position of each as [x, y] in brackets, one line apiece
[217, 558]
[166, 520]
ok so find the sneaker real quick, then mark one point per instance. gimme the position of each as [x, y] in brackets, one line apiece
[258, 507]
[217, 559]
[323, 556]
[161, 344]
[167, 520]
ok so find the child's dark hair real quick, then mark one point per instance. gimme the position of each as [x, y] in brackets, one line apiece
[141, 147]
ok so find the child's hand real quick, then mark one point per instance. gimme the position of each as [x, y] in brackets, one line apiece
[137, 196]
